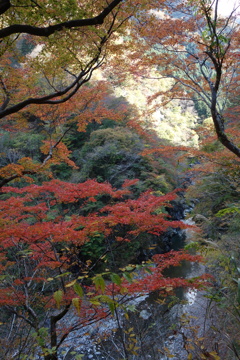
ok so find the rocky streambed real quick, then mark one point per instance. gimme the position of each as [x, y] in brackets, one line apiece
[157, 329]
[154, 328]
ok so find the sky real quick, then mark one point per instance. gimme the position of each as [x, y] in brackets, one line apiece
[226, 6]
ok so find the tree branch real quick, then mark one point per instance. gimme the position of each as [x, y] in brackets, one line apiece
[49, 30]
[69, 91]
[4, 6]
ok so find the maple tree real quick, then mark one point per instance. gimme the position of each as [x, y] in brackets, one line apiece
[49, 49]
[195, 47]
[41, 242]
[55, 123]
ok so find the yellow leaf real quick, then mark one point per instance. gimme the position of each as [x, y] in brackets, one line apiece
[95, 302]
[215, 355]
[77, 304]
[71, 283]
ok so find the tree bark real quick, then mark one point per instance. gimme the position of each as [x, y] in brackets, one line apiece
[53, 333]
[222, 137]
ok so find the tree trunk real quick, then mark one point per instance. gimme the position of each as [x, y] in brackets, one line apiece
[222, 137]
[53, 332]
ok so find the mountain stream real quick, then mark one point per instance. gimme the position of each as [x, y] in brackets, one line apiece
[157, 330]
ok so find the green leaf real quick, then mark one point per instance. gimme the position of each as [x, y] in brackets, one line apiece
[95, 302]
[128, 277]
[78, 289]
[79, 357]
[131, 308]
[99, 283]
[148, 270]
[116, 279]
[104, 298]
[130, 267]
[58, 295]
[112, 307]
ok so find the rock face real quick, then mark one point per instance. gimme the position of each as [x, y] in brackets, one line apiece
[172, 239]
[178, 209]
[200, 219]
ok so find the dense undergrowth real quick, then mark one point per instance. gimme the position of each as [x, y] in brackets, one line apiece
[217, 213]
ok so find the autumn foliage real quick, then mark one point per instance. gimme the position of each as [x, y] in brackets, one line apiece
[41, 264]
[50, 228]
